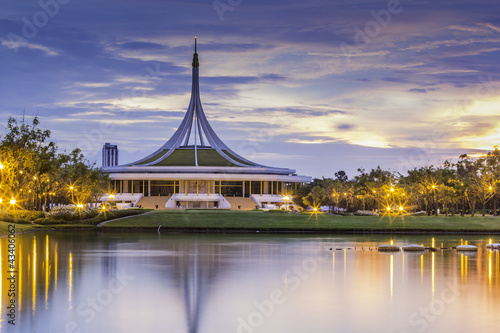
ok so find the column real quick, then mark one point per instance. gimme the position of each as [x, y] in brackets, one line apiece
[149, 188]
[243, 191]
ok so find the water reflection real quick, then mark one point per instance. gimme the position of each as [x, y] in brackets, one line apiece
[208, 283]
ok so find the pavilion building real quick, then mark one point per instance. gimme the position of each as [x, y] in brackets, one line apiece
[195, 169]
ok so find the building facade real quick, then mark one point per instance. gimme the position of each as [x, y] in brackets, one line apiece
[109, 155]
[195, 169]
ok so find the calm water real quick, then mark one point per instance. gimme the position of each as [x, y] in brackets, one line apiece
[100, 282]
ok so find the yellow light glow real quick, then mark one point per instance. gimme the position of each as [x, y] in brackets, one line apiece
[71, 187]
[388, 208]
[1, 166]
[13, 201]
[315, 209]
[388, 195]
[111, 196]
[374, 191]
[490, 188]
[286, 198]
[392, 189]
[433, 243]
[34, 177]
[21, 172]
[433, 186]
[79, 205]
[0, 200]
[70, 280]
[490, 267]
[401, 208]
[488, 243]
[392, 242]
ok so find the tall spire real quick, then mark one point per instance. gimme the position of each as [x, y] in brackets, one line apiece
[195, 56]
[195, 133]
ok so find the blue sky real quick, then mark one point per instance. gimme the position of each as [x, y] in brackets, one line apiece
[317, 86]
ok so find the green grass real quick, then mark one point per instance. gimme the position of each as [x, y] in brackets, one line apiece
[4, 230]
[254, 220]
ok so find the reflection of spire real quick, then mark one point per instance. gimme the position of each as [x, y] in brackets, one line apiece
[193, 292]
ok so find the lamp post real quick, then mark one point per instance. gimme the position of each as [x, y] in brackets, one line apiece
[286, 198]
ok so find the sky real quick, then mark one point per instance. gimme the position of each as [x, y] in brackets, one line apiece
[316, 86]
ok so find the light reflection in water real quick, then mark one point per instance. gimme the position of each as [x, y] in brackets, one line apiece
[33, 301]
[47, 267]
[392, 275]
[189, 281]
[433, 270]
[490, 267]
[70, 280]
[422, 267]
[1, 284]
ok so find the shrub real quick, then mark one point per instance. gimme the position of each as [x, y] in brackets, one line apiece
[6, 218]
[45, 221]
[71, 213]
[365, 213]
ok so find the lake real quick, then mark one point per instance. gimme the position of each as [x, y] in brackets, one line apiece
[174, 282]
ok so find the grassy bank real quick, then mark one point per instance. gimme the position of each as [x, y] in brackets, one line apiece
[263, 221]
[4, 229]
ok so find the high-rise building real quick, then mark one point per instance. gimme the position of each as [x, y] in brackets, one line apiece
[109, 155]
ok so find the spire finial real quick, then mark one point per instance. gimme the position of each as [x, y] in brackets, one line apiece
[195, 55]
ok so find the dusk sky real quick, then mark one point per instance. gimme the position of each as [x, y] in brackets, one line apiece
[317, 86]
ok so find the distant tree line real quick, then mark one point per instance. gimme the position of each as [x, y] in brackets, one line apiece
[464, 187]
[36, 175]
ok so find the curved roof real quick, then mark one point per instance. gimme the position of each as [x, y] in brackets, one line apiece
[195, 144]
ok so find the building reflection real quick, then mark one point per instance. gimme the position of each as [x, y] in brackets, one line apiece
[50, 265]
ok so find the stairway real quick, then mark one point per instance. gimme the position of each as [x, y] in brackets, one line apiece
[244, 203]
[151, 202]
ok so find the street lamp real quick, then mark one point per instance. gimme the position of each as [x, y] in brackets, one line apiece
[286, 198]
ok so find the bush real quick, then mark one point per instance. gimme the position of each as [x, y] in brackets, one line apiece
[45, 221]
[276, 211]
[365, 213]
[71, 213]
[6, 218]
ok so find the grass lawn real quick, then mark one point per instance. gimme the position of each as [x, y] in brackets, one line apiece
[4, 230]
[262, 221]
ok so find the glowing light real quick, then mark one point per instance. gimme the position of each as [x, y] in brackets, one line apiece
[315, 209]
[374, 191]
[111, 196]
[433, 242]
[21, 172]
[388, 195]
[488, 243]
[490, 188]
[392, 242]
[388, 208]
[1, 166]
[286, 198]
[392, 189]
[433, 186]
[0, 200]
[490, 267]
[79, 205]
[13, 201]
[401, 208]
[34, 177]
